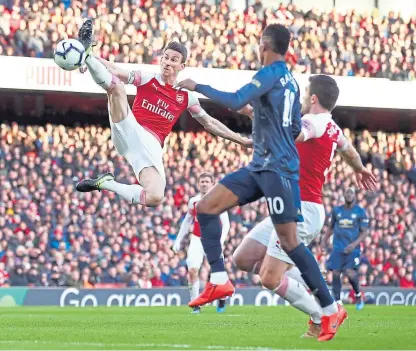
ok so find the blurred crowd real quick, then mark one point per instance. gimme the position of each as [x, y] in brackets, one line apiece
[50, 235]
[348, 44]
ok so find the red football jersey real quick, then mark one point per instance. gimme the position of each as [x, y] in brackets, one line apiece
[192, 208]
[225, 222]
[157, 106]
[323, 137]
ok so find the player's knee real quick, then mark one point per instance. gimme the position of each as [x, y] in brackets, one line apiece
[208, 207]
[116, 88]
[193, 275]
[269, 277]
[351, 273]
[154, 199]
[241, 262]
[203, 206]
[336, 275]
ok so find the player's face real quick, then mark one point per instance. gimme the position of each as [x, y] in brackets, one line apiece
[171, 63]
[349, 196]
[307, 103]
[204, 185]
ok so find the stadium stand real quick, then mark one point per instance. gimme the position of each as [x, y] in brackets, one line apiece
[51, 235]
[347, 44]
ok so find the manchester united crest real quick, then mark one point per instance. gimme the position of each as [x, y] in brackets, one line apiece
[180, 98]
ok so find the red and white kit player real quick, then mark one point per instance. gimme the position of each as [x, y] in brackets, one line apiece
[260, 250]
[139, 133]
[196, 254]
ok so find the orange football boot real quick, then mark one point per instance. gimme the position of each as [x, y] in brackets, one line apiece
[330, 324]
[213, 292]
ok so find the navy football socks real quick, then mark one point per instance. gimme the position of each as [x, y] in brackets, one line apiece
[311, 274]
[336, 286]
[211, 240]
[353, 279]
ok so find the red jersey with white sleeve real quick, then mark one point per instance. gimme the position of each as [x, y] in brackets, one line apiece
[157, 105]
[192, 209]
[225, 221]
[322, 138]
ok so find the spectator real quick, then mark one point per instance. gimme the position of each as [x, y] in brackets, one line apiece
[156, 280]
[57, 237]
[18, 278]
[350, 43]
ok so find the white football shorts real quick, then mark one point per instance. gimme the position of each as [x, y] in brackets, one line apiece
[309, 229]
[195, 255]
[138, 146]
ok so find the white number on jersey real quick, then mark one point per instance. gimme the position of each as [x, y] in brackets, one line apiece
[276, 205]
[287, 112]
[334, 147]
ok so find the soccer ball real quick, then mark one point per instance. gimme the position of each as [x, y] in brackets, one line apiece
[69, 54]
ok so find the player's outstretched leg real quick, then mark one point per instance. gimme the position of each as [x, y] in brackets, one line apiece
[151, 191]
[218, 200]
[353, 279]
[334, 315]
[273, 277]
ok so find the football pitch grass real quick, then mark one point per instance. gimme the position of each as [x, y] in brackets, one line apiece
[166, 328]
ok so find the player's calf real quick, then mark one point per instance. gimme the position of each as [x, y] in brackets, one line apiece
[193, 282]
[117, 100]
[273, 277]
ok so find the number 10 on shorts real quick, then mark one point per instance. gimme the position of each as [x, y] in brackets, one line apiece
[276, 205]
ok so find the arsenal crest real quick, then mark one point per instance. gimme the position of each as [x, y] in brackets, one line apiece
[180, 98]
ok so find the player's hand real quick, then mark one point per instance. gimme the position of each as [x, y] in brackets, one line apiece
[176, 247]
[246, 142]
[246, 110]
[365, 179]
[350, 248]
[187, 84]
[83, 69]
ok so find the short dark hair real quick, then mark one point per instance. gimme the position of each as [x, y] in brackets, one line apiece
[178, 47]
[206, 175]
[278, 37]
[326, 89]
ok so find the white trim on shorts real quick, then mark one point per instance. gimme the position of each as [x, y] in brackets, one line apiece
[309, 229]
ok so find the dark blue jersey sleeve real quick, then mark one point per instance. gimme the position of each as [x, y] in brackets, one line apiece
[364, 221]
[261, 83]
[296, 119]
[333, 219]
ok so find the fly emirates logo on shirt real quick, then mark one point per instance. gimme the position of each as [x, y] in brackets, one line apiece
[161, 108]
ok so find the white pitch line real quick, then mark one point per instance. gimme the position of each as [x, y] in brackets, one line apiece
[99, 344]
[169, 346]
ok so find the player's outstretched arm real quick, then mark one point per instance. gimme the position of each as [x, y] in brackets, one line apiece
[183, 230]
[364, 178]
[215, 127]
[329, 231]
[225, 225]
[261, 83]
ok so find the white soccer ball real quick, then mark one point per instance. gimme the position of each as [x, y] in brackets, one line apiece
[69, 54]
